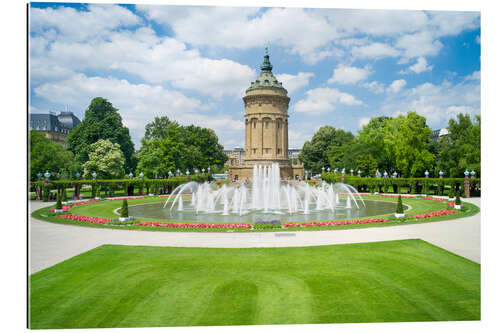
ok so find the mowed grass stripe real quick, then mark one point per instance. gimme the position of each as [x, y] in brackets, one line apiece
[139, 286]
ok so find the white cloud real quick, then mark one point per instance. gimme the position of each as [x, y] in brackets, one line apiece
[349, 75]
[374, 51]
[396, 86]
[438, 102]
[375, 87]
[78, 25]
[418, 67]
[138, 104]
[418, 44]
[474, 76]
[322, 100]
[478, 39]
[292, 83]
[363, 121]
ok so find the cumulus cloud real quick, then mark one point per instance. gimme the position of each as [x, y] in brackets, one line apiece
[138, 103]
[474, 76]
[374, 51]
[438, 102]
[292, 83]
[418, 67]
[363, 121]
[375, 87]
[396, 86]
[322, 100]
[349, 75]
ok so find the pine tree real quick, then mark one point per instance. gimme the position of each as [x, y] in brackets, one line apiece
[124, 210]
[399, 208]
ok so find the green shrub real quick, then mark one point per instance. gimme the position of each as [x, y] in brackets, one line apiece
[45, 193]
[58, 203]
[457, 200]
[399, 208]
[124, 210]
[98, 191]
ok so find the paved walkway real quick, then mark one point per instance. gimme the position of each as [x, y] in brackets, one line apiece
[51, 243]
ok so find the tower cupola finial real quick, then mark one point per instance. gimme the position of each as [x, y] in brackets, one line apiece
[266, 65]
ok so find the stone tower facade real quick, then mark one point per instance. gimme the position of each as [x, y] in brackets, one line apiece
[266, 126]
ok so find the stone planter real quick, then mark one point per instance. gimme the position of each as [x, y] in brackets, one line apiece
[97, 198]
[398, 215]
[58, 211]
[124, 219]
[458, 207]
[451, 199]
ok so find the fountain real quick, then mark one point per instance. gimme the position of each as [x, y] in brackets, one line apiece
[269, 195]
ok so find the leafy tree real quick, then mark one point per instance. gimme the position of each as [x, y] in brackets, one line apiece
[106, 159]
[170, 146]
[48, 155]
[324, 147]
[101, 121]
[367, 164]
[405, 144]
[371, 138]
[461, 149]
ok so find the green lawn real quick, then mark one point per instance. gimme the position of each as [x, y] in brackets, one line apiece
[136, 286]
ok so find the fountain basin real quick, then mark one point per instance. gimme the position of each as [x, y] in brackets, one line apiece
[188, 214]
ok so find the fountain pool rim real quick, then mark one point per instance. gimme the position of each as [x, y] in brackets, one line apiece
[405, 206]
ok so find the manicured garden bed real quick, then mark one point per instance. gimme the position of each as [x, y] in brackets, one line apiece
[139, 286]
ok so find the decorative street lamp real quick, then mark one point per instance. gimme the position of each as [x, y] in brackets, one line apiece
[94, 175]
[395, 174]
[343, 171]
[322, 169]
[441, 173]
[352, 171]
[472, 173]
[328, 169]
[130, 175]
[196, 172]
[39, 175]
[359, 173]
[208, 169]
[141, 175]
[187, 172]
[335, 171]
[77, 175]
[203, 170]
[426, 173]
[466, 173]
[385, 174]
[170, 174]
[47, 175]
[178, 172]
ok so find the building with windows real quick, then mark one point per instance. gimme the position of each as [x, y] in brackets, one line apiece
[55, 127]
[266, 127]
[439, 133]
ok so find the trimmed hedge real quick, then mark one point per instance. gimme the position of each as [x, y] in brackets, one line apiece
[109, 186]
[434, 186]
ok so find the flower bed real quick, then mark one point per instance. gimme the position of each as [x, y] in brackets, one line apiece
[331, 223]
[128, 198]
[64, 209]
[84, 202]
[434, 199]
[441, 212]
[196, 225]
[84, 218]
[396, 195]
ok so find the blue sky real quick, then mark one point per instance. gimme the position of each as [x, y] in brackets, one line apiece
[341, 67]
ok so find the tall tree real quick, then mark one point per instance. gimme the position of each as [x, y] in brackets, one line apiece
[371, 138]
[405, 142]
[46, 155]
[106, 159]
[168, 146]
[326, 141]
[461, 149]
[101, 121]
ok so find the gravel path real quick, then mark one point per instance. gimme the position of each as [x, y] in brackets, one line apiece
[51, 243]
